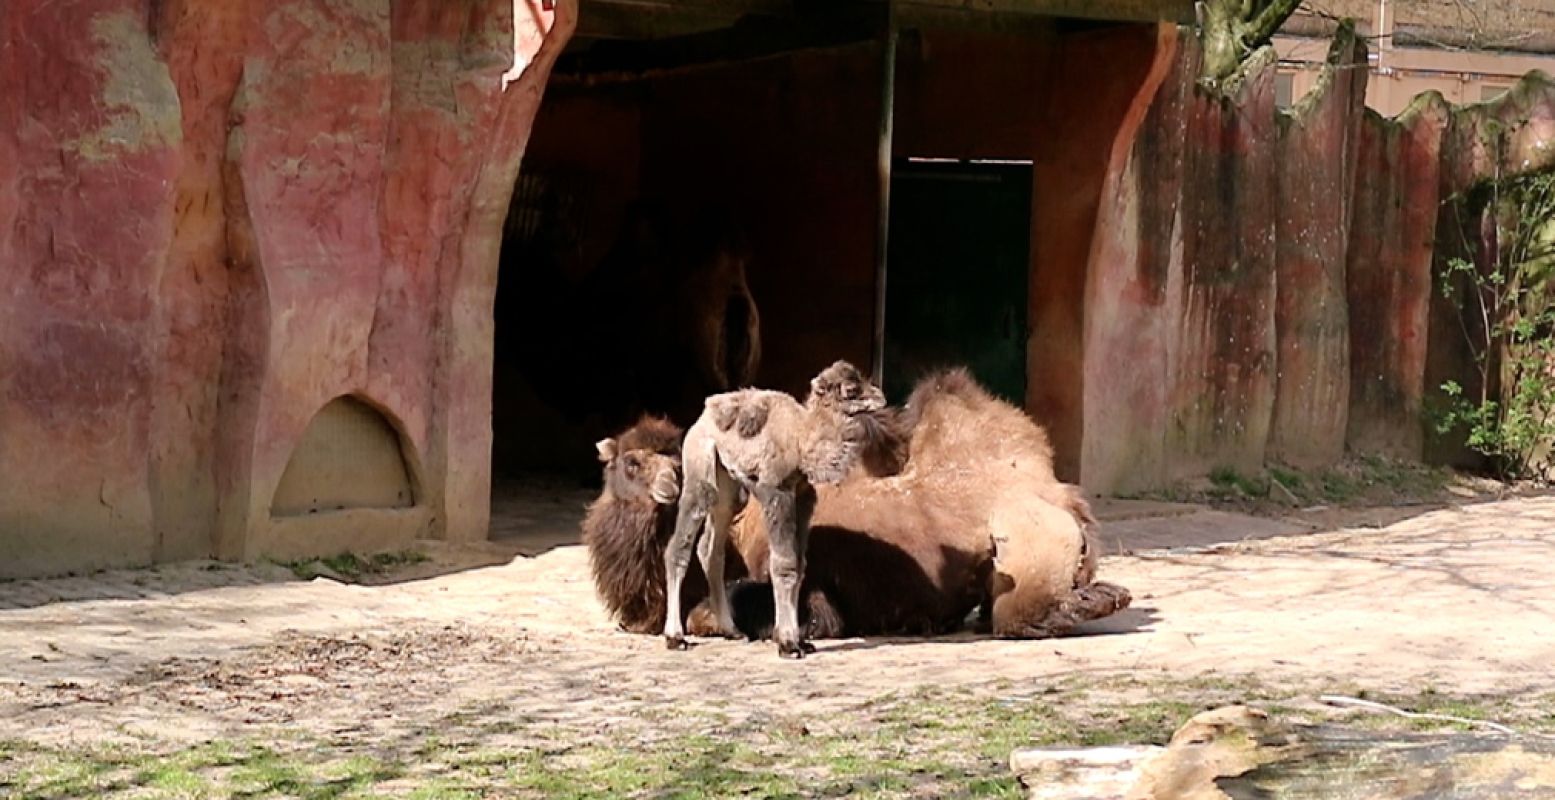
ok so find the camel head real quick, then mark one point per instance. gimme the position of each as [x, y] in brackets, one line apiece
[842, 389]
[643, 463]
[840, 404]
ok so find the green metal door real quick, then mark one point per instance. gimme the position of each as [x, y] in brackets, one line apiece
[956, 274]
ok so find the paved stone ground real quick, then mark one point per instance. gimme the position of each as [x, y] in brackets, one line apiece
[1459, 598]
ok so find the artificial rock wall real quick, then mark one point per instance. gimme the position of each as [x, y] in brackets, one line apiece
[217, 220]
[1261, 281]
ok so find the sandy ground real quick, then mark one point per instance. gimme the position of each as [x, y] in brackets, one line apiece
[1461, 599]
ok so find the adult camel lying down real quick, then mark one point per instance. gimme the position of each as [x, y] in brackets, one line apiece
[958, 510]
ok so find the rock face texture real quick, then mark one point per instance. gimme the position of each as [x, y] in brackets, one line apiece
[219, 218]
[1261, 282]
[248, 244]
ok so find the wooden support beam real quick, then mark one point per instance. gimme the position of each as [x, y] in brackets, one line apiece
[1180, 11]
[886, 145]
[663, 19]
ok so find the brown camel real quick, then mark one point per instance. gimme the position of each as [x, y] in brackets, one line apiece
[627, 528]
[774, 448]
[910, 553]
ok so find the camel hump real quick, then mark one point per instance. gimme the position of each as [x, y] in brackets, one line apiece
[744, 412]
[954, 382]
[724, 410]
[753, 417]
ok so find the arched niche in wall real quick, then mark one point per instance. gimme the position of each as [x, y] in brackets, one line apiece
[350, 456]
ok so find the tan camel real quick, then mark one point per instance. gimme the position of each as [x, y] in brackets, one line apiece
[913, 553]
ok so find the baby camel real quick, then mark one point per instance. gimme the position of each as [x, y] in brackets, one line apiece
[773, 447]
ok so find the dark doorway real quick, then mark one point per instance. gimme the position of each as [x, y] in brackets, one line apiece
[957, 266]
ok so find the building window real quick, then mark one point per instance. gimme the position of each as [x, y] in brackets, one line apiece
[1490, 91]
[1284, 89]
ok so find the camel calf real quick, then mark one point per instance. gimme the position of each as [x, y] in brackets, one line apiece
[775, 448]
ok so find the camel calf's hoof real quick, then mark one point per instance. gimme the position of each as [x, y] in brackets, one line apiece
[675, 643]
[795, 651]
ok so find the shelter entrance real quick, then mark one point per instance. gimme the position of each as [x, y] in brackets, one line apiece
[957, 270]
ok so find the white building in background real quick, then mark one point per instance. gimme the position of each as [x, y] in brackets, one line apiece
[1468, 50]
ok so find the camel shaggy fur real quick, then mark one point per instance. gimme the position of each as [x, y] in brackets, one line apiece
[629, 525]
[774, 448]
[945, 531]
[996, 465]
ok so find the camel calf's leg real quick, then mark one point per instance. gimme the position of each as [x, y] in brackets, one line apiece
[714, 546]
[786, 566]
[695, 502]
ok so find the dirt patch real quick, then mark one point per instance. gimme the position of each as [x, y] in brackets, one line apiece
[520, 656]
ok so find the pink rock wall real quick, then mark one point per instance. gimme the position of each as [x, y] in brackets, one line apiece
[1265, 293]
[91, 116]
[1316, 161]
[1180, 334]
[1098, 109]
[216, 217]
[1388, 274]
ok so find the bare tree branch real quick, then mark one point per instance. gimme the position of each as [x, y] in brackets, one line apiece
[1267, 21]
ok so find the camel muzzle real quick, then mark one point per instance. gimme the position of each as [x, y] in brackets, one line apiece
[665, 489]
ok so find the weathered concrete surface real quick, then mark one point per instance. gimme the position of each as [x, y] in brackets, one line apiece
[1225, 334]
[1268, 295]
[218, 217]
[1388, 272]
[1180, 338]
[1316, 162]
[204, 53]
[1396, 609]
[349, 457]
[91, 116]
[1099, 108]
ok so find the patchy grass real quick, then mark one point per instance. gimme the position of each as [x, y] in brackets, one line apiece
[1360, 480]
[925, 743]
[931, 743]
[1534, 714]
[350, 566]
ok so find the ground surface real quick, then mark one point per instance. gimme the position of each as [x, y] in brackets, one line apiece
[508, 680]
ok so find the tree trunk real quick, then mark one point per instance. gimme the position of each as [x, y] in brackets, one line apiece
[1232, 30]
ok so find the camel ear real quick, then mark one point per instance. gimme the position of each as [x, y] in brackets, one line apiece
[607, 449]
